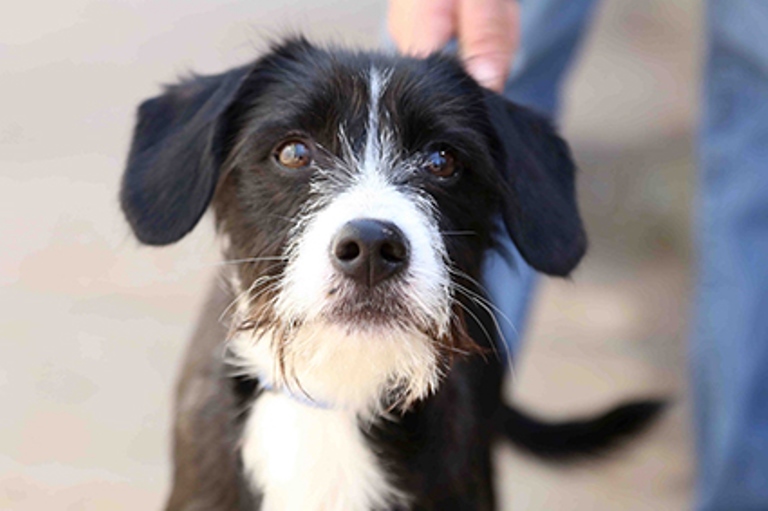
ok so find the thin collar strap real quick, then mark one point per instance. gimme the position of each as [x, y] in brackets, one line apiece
[302, 398]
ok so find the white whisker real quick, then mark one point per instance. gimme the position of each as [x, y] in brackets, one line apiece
[255, 284]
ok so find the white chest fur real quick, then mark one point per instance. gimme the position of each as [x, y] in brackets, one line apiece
[311, 459]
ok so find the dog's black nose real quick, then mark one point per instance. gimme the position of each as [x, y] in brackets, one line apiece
[369, 251]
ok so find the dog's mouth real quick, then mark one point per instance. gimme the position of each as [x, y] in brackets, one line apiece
[363, 309]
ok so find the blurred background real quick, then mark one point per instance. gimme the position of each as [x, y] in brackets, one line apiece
[92, 325]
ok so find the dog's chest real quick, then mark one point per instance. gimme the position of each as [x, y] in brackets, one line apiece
[311, 459]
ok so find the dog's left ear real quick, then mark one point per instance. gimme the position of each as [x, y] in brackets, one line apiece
[539, 207]
[175, 157]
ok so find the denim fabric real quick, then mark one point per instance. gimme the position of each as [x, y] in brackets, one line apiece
[729, 348]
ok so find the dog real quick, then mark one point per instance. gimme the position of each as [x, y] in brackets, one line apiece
[349, 362]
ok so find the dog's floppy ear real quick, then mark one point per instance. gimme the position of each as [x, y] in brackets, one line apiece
[539, 207]
[173, 165]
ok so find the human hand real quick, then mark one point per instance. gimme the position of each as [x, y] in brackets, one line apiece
[488, 32]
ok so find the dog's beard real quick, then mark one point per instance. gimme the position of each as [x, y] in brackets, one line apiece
[334, 365]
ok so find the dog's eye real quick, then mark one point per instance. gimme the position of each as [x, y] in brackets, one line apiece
[294, 154]
[441, 164]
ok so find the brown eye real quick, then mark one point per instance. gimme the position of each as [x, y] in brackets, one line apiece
[441, 164]
[294, 154]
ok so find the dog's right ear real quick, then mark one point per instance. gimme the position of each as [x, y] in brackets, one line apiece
[176, 155]
[539, 180]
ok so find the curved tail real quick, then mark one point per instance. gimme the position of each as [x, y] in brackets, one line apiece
[577, 438]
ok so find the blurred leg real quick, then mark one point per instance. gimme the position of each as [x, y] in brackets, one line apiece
[730, 338]
[552, 30]
[551, 33]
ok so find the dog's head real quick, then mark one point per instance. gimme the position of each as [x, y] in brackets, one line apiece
[356, 195]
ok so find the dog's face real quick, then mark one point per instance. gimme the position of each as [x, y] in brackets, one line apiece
[356, 196]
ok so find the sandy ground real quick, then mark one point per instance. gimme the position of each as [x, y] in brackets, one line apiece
[92, 324]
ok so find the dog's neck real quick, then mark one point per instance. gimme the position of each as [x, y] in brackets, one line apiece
[301, 456]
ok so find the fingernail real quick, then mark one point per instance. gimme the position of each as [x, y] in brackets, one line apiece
[487, 75]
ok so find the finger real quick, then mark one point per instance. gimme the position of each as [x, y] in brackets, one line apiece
[420, 27]
[488, 38]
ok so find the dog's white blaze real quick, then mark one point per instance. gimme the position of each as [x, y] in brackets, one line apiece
[309, 459]
[346, 365]
[372, 155]
[353, 366]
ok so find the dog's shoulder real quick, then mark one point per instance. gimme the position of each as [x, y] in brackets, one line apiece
[207, 423]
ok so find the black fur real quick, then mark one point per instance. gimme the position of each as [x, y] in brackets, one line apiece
[209, 141]
[572, 439]
[175, 157]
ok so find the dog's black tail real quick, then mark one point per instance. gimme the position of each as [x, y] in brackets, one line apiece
[571, 440]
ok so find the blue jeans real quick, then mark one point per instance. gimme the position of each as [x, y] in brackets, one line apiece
[729, 348]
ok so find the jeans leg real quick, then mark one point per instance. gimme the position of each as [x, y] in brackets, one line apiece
[729, 349]
[551, 33]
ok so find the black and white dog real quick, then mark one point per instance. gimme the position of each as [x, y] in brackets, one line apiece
[349, 366]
